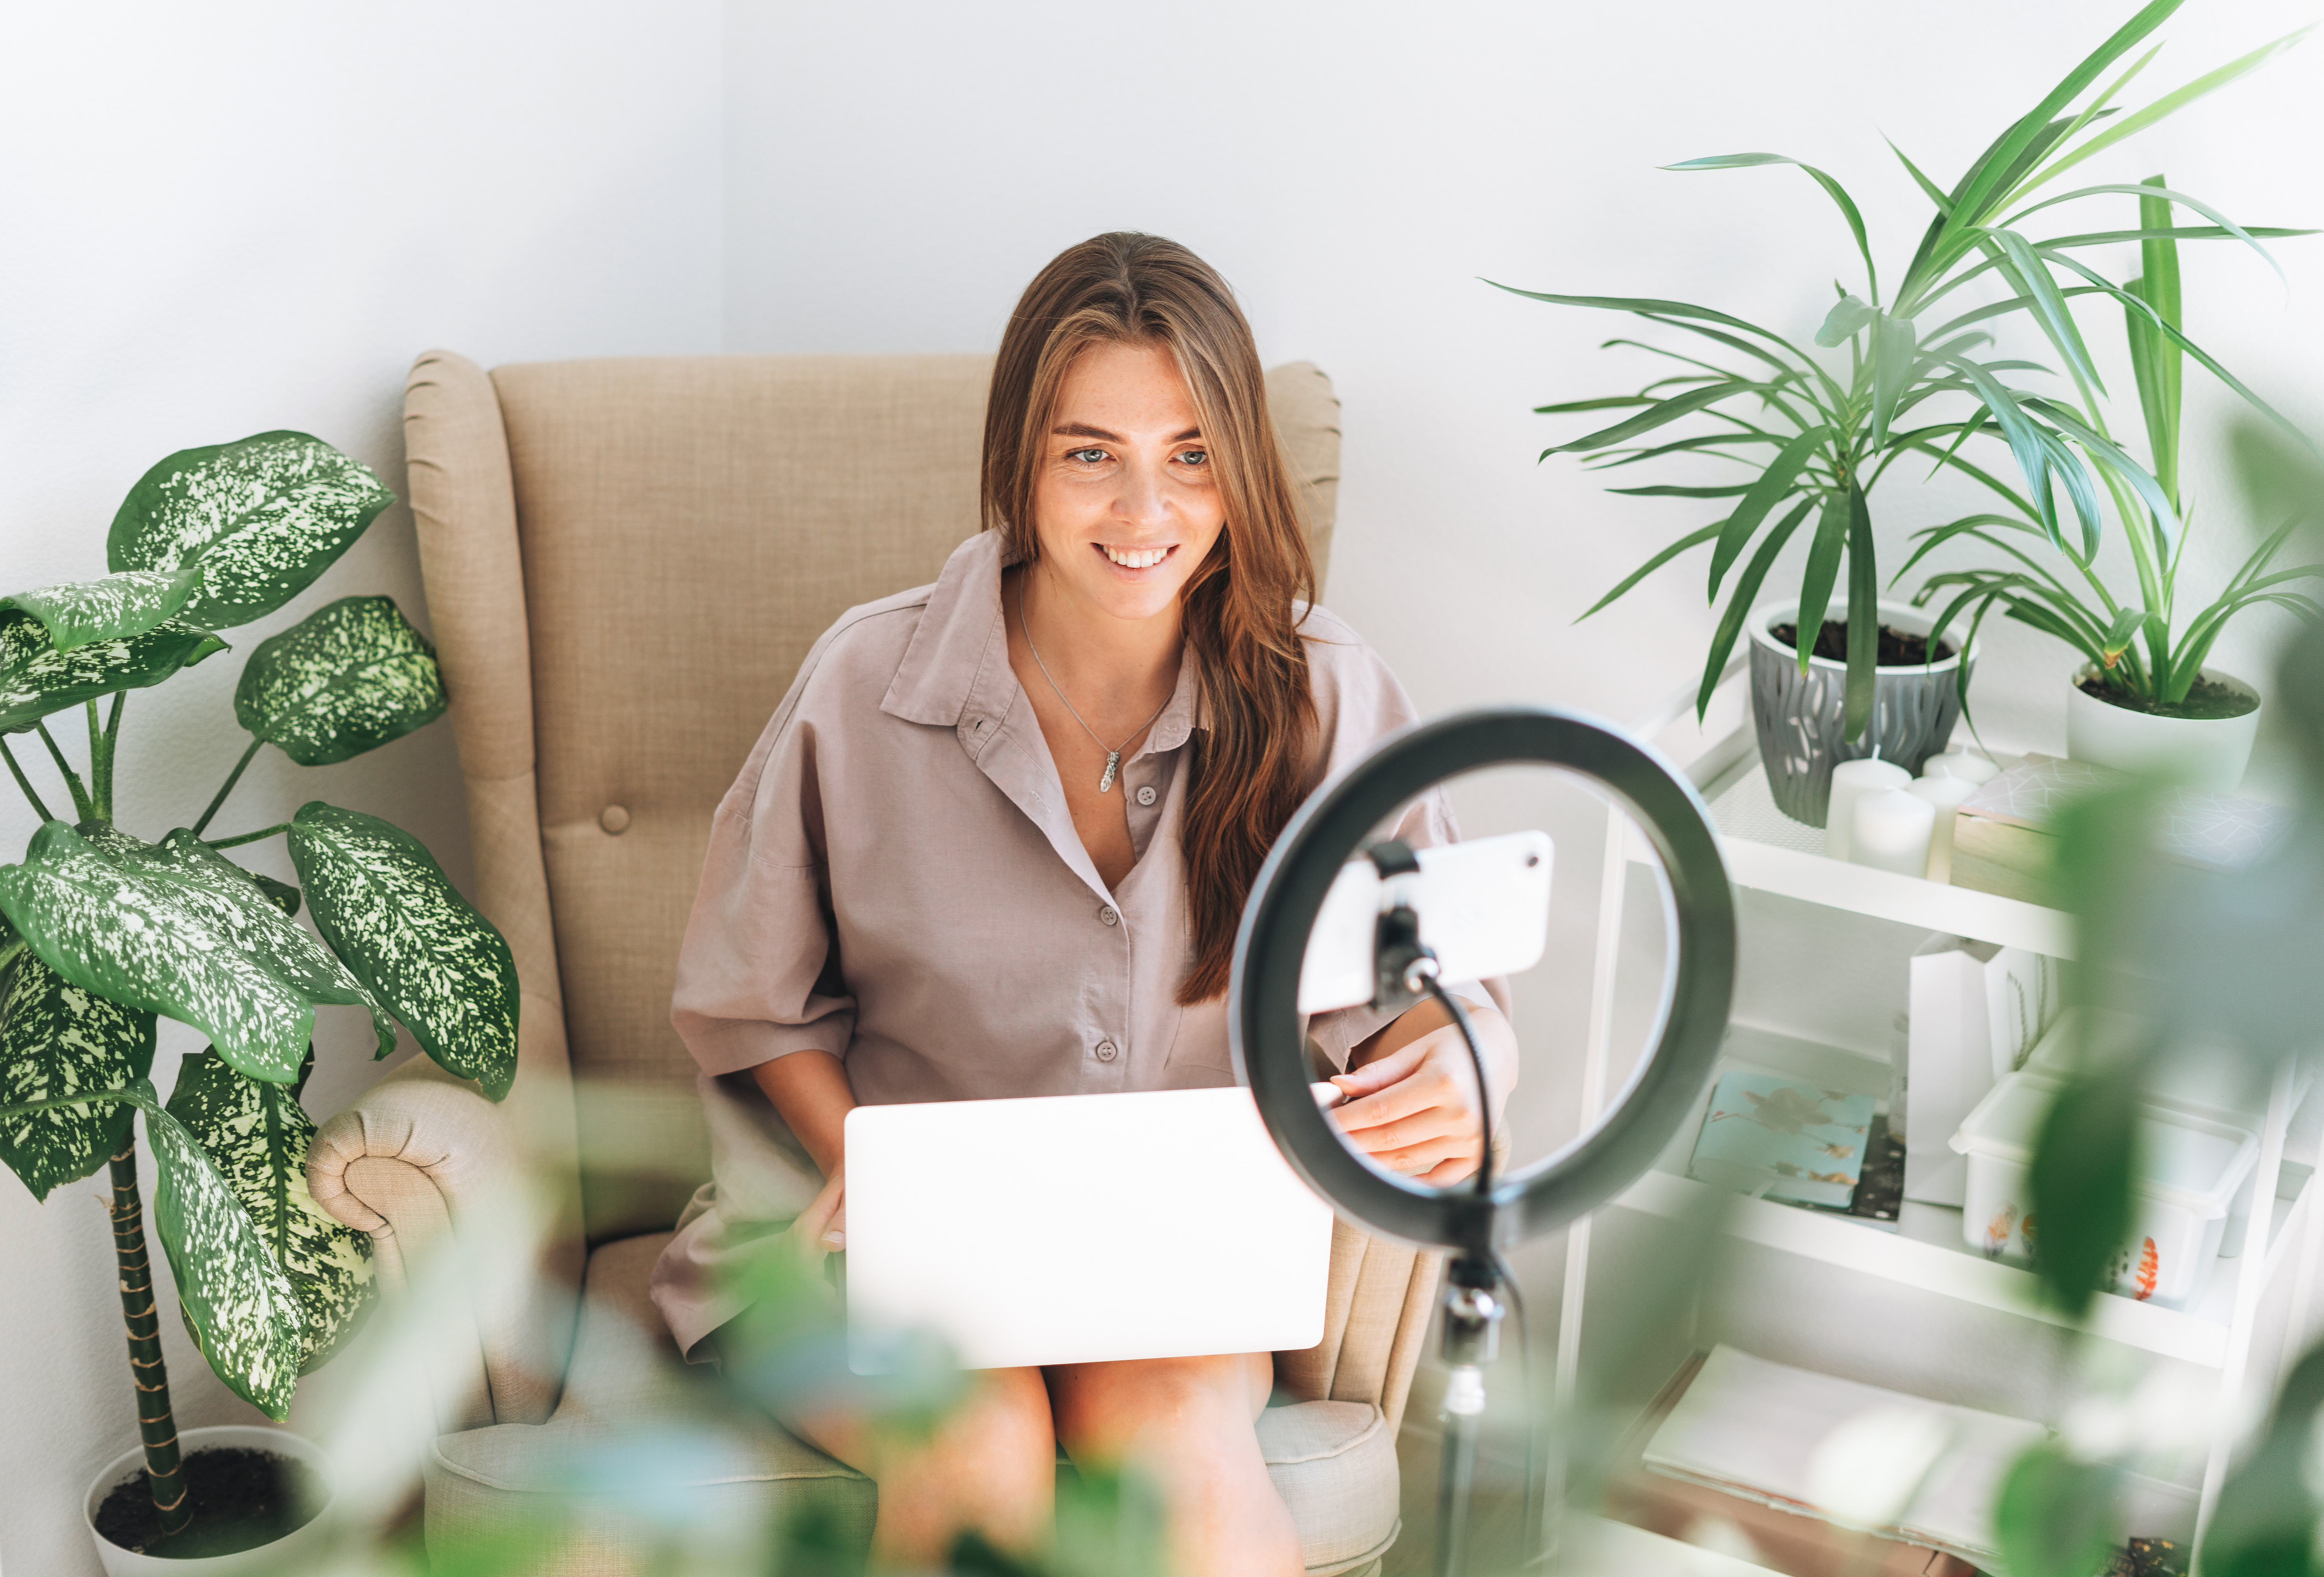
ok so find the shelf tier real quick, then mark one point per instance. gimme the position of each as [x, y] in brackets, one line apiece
[1767, 851]
[1927, 1254]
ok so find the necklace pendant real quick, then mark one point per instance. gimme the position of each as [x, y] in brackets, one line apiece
[1113, 761]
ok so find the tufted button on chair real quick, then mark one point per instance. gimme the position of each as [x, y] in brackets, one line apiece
[625, 561]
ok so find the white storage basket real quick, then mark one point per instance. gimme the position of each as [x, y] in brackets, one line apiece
[2190, 1169]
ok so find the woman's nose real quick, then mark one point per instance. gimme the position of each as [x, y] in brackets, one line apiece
[1142, 499]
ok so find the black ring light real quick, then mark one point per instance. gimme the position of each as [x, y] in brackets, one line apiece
[1269, 1047]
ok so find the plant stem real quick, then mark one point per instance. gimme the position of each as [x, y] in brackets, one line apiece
[82, 809]
[226, 788]
[112, 745]
[155, 1427]
[23, 782]
[267, 832]
[96, 793]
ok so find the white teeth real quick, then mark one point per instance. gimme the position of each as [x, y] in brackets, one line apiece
[1137, 558]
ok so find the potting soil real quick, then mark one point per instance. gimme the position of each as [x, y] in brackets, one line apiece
[1899, 648]
[241, 1499]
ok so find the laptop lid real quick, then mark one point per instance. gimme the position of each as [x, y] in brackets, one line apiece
[1076, 1228]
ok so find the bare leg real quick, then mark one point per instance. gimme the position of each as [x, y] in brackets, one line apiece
[991, 1466]
[1187, 1421]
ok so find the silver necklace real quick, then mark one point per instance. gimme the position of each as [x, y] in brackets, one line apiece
[1112, 756]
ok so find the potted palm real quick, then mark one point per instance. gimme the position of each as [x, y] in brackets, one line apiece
[1804, 441]
[2142, 697]
[102, 930]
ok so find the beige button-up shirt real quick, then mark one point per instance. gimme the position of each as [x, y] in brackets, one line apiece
[895, 880]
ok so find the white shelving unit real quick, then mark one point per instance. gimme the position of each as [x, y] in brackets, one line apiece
[1821, 985]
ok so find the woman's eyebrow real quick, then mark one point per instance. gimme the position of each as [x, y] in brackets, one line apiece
[1082, 429]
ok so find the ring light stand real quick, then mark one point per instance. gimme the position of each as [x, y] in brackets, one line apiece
[1269, 1040]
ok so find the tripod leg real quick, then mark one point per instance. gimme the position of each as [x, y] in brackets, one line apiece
[1464, 1404]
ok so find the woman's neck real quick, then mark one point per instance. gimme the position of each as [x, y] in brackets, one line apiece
[1097, 658]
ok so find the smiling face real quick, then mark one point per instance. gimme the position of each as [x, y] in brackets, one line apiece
[1125, 504]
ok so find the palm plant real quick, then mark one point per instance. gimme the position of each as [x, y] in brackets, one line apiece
[1816, 443]
[2161, 673]
[100, 931]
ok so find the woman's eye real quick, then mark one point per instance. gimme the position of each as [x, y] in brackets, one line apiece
[1085, 456]
[1196, 456]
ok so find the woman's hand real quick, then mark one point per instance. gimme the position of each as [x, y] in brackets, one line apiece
[822, 1227]
[1415, 1109]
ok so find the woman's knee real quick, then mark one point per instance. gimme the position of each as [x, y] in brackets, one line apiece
[1002, 1439]
[1104, 1409]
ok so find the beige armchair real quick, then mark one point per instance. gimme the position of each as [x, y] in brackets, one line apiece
[625, 562]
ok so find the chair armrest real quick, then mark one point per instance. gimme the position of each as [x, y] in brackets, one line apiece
[407, 1162]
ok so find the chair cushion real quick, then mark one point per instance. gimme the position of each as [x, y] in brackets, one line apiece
[659, 1455]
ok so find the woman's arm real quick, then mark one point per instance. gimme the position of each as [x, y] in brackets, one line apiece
[1410, 1097]
[810, 1092]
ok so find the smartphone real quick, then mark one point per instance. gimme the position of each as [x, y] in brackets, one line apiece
[1483, 907]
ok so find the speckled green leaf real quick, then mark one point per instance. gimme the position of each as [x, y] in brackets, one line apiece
[258, 1134]
[119, 605]
[283, 896]
[262, 517]
[176, 928]
[36, 679]
[238, 1305]
[344, 679]
[385, 905]
[58, 1039]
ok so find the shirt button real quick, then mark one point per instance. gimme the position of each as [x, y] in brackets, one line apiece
[1146, 794]
[1106, 1052]
[1108, 916]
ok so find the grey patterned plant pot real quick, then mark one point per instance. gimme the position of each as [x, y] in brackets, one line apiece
[1800, 716]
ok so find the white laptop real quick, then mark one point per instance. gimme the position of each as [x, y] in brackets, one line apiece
[1074, 1229]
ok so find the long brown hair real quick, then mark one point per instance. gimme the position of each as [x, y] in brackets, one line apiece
[1247, 755]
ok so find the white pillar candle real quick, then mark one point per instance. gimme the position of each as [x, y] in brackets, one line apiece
[1945, 794]
[1962, 764]
[1848, 780]
[1889, 829]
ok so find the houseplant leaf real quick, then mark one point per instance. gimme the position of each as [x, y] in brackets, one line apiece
[176, 928]
[2056, 1516]
[346, 678]
[36, 679]
[1863, 617]
[281, 894]
[387, 909]
[261, 517]
[58, 1039]
[1848, 315]
[258, 1136]
[118, 607]
[238, 1305]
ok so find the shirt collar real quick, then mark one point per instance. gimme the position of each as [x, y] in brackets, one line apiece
[959, 639]
[956, 668]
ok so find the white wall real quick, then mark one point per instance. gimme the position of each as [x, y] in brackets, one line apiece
[238, 217]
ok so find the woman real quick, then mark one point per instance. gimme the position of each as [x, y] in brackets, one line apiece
[996, 841]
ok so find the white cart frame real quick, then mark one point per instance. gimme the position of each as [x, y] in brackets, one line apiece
[1779, 870]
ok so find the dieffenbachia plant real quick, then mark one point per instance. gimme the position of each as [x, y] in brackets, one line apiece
[101, 931]
[1814, 442]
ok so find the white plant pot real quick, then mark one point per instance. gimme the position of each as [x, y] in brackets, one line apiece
[282, 1555]
[2204, 752]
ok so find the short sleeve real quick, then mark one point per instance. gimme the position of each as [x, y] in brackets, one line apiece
[758, 975]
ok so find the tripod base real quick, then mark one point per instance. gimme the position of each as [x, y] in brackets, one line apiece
[1472, 1317]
